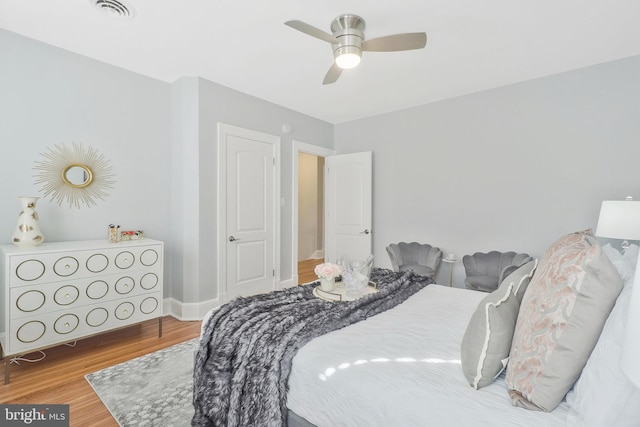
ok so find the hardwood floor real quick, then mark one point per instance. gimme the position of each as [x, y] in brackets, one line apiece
[305, 270]
[59, 378]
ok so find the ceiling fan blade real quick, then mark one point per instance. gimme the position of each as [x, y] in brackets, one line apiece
[396, 42]
[332, 75]
[312, 31]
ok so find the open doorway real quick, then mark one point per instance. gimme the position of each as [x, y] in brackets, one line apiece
[310, 215]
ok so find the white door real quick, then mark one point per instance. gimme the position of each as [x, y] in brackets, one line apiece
[248, 231]
[348, 205]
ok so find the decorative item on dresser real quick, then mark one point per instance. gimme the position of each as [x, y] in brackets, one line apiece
[27, 232]
[60, 292]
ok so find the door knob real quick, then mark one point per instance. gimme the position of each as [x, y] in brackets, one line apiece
[232, 239]
[365, 232]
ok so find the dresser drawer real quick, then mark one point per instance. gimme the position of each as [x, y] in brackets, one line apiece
[30, 300]
[67, 325]
[33, 269]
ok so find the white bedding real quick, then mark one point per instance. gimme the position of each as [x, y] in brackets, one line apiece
[402, 368]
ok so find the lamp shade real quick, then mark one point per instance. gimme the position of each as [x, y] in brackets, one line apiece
[619, 219]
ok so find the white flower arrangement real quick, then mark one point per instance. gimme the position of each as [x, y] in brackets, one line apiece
[327, 270]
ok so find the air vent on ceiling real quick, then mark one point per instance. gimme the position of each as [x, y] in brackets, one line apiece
[115, 8]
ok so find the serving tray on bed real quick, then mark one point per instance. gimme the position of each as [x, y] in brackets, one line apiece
[339, 293]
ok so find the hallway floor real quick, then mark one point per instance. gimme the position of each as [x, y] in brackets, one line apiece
[305, 270]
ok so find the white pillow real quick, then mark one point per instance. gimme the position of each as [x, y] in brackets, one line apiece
[603, 395]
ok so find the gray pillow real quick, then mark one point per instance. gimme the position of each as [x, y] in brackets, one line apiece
[487, 341]
[560, 320]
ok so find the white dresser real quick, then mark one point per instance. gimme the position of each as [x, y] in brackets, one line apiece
[59, 292]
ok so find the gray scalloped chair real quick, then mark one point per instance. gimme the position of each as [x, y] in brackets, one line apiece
[485, 271]
[421, 258]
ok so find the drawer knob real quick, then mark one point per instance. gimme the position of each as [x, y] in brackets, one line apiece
[67, 295]
[126, 311]
[66, 325]
[67, 266]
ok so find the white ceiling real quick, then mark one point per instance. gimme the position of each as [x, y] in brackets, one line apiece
[243, 44]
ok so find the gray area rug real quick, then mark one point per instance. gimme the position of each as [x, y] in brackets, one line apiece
[152, 390]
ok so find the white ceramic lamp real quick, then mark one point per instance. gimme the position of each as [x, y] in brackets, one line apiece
[621, 220]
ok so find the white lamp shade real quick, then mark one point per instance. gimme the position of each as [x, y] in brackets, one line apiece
[619, 220]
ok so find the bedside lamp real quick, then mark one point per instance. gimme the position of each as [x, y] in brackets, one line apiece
[621, 220]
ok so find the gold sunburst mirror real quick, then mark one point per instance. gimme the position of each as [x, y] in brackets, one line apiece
[74, 175]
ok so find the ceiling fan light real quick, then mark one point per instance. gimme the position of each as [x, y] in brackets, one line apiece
[347, 56]
[348, 60]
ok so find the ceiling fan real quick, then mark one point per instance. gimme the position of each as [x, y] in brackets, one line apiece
[348, 42]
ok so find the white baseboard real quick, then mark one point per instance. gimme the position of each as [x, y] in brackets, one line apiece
[188, 311]
[289, 283]
[319, 254]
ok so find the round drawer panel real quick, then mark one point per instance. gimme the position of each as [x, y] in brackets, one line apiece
[66, 295]
[30, 301]
[149, 281]
[97, 263]
[125, 259]
[148, 305]
[124, 310]
[66, 266]
[149, 257]
[124, 285]
[31, 331]
[97, 289]
[97, 317]
[30, 269]
[66, 323]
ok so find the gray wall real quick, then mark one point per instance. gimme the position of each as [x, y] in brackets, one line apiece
[507, 169]
[195, 180]
[50, 96]
[161, 138]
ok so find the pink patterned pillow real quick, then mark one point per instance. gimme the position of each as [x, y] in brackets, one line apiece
[560, 319]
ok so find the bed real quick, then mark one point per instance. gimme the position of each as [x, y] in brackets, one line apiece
[402, 366]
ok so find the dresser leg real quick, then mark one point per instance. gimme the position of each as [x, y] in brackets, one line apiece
[7, 362]
[159, 327]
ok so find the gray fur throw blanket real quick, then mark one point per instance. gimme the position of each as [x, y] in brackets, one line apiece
[242, 367]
